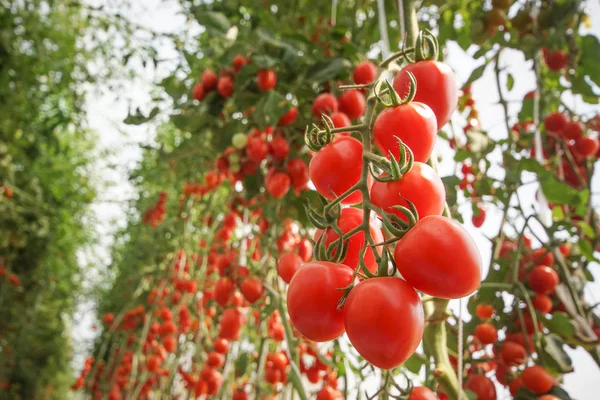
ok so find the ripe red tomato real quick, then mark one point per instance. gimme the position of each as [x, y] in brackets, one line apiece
[329, 393]
[252, 289]
[225, 86]
[198, 93]
[221, 345]
[422, 393]
[515, 385]
[277, 184]
[537, 380]
[543, 279]
[364, 73]
[573, 130]
[287, 266]
[486, 333]
[239, 394]
[223, 291]
[478, 220]
[266, 79]
[305, 249]
[289, 117]
[257, 149]
[340, 120]
[170, 344]
[565, 249]
[336, 168]
[209, 80]
[384, 320]
[231, 323]
[312, 299]
[421, 185]
[239, 62]
[352, 103]
[513, 353]
[555, 60]
[413, 123]
[280, 148]
[325, 103]
[542, 256]
[436, 87]
[215, 360]
[548, 397]
[482, 386]
[484, 311]
[153, 363]
[542, 303]
[214, 382]
[587, 146]
[298, 172]
[452, 271]
[555, 122]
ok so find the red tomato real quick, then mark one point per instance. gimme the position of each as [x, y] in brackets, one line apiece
[573, 130]
[298, 172]
[277, 184]
[587, 146]
[565, 249]
[214, 382]
[329, 393]
[225, 86]
[422, 393]
[484, 311]
[451, 270]
[353, 103]
[364, 73]
[239, 394]
[542, 303]
[349, 219]
[257, 149]
[153, 363]
[479, 219]
[515, 385]
[336, 168]
[548, 397]
[312, 299]
[436, 87]
[221, 345]
[486, 333]
[209, 80]
[482, 386]
[384, 320]
[555, 60]
[239, 62]
[170, 344]
[223, 291]
[198, 93]
[280, 148]
[413, 123]
[542, 256]
[325, 103]
[537, 380]
[421, 185]
[231, 323]
[252, 289]
[215, 360]
[340, 120]
[287, 266]
[289, 117]
[543, 279]
[305, 249]
[266, 79]
[513, 353]
[555, 122]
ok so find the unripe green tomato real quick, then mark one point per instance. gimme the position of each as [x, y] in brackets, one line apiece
[239, 140]
[234, 159]
[477, 27]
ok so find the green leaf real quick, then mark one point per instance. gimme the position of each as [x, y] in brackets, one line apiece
[213, 21]
[138, 118]
[590, 58]
[450, 184]
[188, 123]
[174, 87]
[557, 213]
[561, 324]
[263, 61]
[586, 250]
[554, 357]
[510, 81]
[526, 113]
[476, 74]
[330, 69]
[414, 363]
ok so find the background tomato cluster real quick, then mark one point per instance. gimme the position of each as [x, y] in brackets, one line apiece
[194, 302]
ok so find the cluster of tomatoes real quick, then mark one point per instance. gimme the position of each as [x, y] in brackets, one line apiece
[156, 213]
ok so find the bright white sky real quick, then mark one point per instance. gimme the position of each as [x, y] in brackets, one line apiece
[107, 111]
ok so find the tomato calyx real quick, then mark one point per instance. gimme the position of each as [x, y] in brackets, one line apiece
[394, 169]
[426, 46]
[317, 137]
[394, 98]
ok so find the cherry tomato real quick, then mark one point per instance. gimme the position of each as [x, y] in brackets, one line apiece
[364, 73]
[277, 184]
[325, 103]
[313, 296]
[266, 79]
[352, 103]
[225, 86]
[231, 323]
[478, 219]
[153, 363]
[542, 256]
[280, 148]
[486, 333]
[209, 80]
[305, 249]
[482, 386]
[239, 62]
[542, 303]
[452, 270]
[422, 393]
[289, 117]
[548, 397]
[555, 122]
[170, 343]
[537, 380]
[543, 279]
[349, 219]
[384, 320]
[223, 291]
[198, 93]
[298, 172]
[513, 353]
[555, 60]
[413, 123]
[221, 345]
[573, 130]
[215, 360]
[329, 393]
[287, 266]
[484, 311]
[421, 185]
[340, 120]
[436, 87]
[587, 146]
[515, 385]
[252, 289]
[336, 168]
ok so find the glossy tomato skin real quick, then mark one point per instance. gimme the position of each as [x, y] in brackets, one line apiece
[352, 103]
[537, 379]
[384, 320]
[312, 299]
[277, 184]
[438, 257]
[413, 123]
[422, 393]
[289, 117]
[482, 386]
[364, 73]
[198, 92]
[225, 86]
[436, 87]
[325, 103]
[543, 279]
[336, 168]
[298, 173]
[287, 266]
[349, 219]
[421, 185]
[266, 79]
[231, 323]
